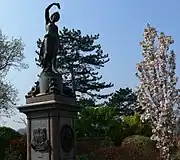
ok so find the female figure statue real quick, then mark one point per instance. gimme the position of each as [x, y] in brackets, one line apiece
[50, 45]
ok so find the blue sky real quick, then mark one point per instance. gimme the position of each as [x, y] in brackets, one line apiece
[120, 24]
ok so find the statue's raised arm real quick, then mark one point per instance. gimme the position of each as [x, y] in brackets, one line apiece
[47, 18]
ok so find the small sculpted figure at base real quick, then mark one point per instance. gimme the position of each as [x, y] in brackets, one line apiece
[34, 90]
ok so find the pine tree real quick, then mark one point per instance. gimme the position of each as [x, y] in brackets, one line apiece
[124, 100]
[79, 60]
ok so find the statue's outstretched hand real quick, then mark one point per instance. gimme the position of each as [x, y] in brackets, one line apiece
[58, 5]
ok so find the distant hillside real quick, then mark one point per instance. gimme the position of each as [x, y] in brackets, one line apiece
[22, 131]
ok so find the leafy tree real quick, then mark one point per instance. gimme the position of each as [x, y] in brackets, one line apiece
[79, 60]
[157, 92]
[124, 100]
[11, 57]
[104, 122]
[95, 122]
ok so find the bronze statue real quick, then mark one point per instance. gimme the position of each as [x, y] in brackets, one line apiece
[50, 45]
[50, 81]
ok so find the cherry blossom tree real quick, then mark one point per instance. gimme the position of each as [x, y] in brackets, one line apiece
[157, 93]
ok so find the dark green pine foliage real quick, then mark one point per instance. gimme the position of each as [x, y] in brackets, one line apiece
[79, 60]
[86, 102]
[125, 100]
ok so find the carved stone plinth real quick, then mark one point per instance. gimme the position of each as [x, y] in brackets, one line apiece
[50, 133]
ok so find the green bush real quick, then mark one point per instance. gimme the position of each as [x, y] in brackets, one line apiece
[116, 132]
[130, 125]
[104, 122]
[6, 135]
[134, 126]
[139, 148]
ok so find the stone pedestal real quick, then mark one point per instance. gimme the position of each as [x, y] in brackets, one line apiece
[46, 80]
[50, 133]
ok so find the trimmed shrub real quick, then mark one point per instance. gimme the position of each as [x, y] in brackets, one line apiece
[138, 148]
[109, 153]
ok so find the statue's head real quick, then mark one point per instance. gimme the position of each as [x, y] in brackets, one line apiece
[55, 17]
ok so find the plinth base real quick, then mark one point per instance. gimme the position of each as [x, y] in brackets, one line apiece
[50, 129]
